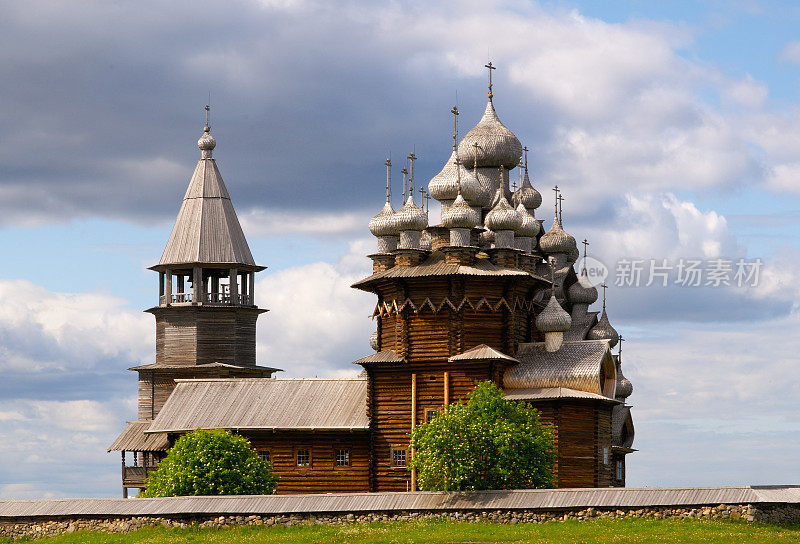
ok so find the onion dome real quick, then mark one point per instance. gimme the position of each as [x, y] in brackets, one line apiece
[498, 145]
[385, 223]
[573, 255]
[206, 141]
[373, 340]
[624, 385]
[557, 240]
[502, 216]
[527, 195]
[411, 216]
[444, 185]
[582, 291]
[460, 215]
[530, 226]
[553, 318]
[604, 331]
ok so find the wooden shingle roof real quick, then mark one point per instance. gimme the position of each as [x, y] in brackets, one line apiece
[133, 438]
[265, 403]
[207, 229]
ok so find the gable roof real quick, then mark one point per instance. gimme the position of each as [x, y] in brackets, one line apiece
[264, 403]
[385, 356]
[207, 229]
[575, 365]
[482, 353]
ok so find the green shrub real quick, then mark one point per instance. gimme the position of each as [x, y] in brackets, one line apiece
[213, 462]
[485, 443]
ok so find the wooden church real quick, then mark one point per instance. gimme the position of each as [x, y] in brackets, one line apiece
[485, 294]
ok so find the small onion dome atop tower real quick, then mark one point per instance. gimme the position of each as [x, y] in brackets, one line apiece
[444, 185]
[526, 194]
[460, 215]
[553, 318]
[604, 331]
[557, 240]
[206, 143]
[582, 291]
[498, 145]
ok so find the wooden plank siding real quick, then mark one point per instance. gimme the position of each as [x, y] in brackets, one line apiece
[582, 429]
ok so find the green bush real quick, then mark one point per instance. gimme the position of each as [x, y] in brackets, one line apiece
[485, 443]
[213, 462]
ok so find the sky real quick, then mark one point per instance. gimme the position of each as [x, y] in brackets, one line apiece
[673, 129]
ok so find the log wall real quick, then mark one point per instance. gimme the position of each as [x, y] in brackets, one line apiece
[322, 475]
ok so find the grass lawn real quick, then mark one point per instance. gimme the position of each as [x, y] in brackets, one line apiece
[571, 532]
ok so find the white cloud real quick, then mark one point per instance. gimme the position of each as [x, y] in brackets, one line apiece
[790, 52]
[43, 329]
[317, 324]
[273, 222]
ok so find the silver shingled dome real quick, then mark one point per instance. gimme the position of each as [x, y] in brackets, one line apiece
[385, 223]
[503, 216]
[530, 226]
[411, 217]
[553, 318]
[582, 291]
[460, 215]
[497, 145]
[604, 331]
[206, 141]
[557, 240]
[624, 385]
[444, 185]
[527, 195]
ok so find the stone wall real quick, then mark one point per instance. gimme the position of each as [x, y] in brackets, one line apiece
[39, 527]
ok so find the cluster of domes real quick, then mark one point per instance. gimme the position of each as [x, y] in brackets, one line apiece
[497, 146]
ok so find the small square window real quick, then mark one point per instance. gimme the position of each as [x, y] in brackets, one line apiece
[430, 415]
[265, 456]
[398, 458]
[303, 458]
[605, 456]
[342, 458]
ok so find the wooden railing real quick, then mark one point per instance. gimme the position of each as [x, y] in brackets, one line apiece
[208, 298]
[133, 476]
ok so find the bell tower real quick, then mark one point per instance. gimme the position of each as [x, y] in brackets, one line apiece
[206, 313]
